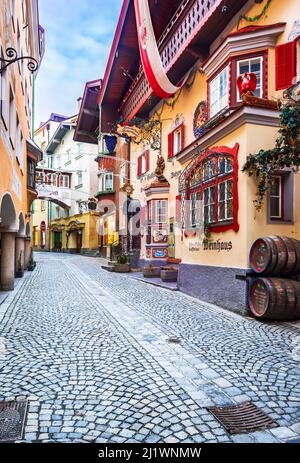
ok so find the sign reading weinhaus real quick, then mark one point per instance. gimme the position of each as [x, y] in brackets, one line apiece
[210, 245]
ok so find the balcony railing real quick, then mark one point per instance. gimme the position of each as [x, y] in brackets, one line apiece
[182, 28]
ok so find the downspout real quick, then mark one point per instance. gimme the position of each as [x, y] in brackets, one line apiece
[33, 107]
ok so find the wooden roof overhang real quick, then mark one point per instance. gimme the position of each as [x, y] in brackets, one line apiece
[124, 64]
[87, 127]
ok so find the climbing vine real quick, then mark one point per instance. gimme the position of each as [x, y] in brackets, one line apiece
[256, 18]
[286, 154]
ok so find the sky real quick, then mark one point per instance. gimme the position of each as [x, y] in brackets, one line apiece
[79, 35]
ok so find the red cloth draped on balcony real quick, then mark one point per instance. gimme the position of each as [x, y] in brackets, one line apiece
[152, 64]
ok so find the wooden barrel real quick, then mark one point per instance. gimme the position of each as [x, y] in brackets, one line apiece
[275, 256]
[275, 298]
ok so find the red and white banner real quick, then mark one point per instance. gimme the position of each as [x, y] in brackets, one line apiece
[152, 64]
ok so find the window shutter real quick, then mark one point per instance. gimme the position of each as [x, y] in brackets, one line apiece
[178, 209]
[147, 156]
[182, 135]
[139, 166]
[170, 144]
[285, 65]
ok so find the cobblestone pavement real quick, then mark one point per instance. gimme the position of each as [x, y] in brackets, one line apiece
[90, 351]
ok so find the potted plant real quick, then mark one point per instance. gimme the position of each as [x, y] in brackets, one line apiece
[122, 265]
[150, 271]
[169, 274]
[20, 268]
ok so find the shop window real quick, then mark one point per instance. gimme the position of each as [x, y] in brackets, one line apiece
[176, 141]
[143, 163]
[280, 198]
[254, 65]
[219, 92]
[209, 184]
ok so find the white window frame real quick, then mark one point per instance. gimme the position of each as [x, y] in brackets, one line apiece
[278, 197]
[220, 102]
[176, 141]
[64, 181]
[144, 164]
[224, 201]
[108, 180]
[195, 209]
[79, 178]
[161, 209]
[210, 204]
[102, 182]
[248, 60]
[123, 174]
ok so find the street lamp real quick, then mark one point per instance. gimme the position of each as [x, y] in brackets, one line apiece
[12, 57]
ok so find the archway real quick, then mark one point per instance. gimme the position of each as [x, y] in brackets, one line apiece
[8, 227]
[8, 214]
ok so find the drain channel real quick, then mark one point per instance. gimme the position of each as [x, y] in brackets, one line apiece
[242, 418]
[12, 420]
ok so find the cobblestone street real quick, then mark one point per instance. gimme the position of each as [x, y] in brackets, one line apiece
[89, 350]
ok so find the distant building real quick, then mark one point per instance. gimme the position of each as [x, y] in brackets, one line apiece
[64, 219]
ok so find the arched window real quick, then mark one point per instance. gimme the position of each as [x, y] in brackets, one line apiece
[209, 187]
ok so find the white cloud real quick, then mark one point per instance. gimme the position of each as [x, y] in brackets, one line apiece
[79, 34]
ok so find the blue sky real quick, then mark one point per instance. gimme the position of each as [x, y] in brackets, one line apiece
[79, 34]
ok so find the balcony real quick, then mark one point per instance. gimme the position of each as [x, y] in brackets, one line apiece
[185, 39]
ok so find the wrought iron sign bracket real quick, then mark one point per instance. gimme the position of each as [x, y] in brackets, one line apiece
[12, 57]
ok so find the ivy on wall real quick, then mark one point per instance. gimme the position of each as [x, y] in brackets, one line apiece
[286, 154]
[254, 19]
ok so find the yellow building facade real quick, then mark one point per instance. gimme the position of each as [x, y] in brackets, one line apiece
[18, 154]
[198, 206]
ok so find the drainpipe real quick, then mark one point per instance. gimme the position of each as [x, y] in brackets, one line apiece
[33, 107]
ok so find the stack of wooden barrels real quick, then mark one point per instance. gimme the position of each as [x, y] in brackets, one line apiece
[275, 293]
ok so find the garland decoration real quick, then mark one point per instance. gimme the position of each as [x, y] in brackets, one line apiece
[286, 154]
[256, 18]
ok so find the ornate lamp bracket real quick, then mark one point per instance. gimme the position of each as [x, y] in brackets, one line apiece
[12, 57]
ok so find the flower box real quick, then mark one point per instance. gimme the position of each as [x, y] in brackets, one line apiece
[122, 268]
[169, 274]
[151, 272]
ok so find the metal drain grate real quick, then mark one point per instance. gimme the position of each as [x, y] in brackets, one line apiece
[242, 418]
[12, 420]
